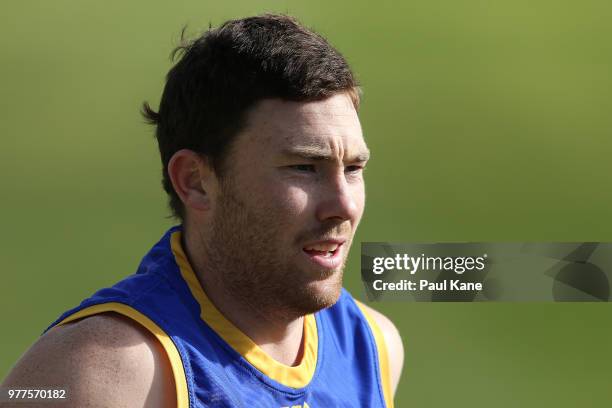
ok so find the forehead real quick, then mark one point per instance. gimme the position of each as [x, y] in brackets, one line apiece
[276, 125]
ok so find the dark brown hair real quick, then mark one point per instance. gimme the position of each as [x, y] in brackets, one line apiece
[223, 73]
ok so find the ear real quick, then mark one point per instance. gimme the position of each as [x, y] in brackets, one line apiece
[193, 179]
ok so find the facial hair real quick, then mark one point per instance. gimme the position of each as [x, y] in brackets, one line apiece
[245, 252]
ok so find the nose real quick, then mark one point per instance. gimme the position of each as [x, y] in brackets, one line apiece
[340, 200]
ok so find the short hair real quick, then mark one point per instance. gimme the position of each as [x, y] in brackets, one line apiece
[222, 74]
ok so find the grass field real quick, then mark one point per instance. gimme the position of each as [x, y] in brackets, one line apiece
[488, 121]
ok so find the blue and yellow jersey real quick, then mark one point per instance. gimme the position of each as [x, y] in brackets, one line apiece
[214, 364]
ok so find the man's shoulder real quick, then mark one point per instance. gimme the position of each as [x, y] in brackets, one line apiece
[102, 360]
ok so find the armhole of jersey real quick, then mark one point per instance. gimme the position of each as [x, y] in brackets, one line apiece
[383, 355]
[178, 371]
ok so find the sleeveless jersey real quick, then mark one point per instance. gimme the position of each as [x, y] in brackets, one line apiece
[214, 364]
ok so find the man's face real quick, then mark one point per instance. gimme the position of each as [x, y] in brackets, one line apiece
[289, 203]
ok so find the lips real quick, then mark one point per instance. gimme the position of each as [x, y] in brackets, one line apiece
[327, 254]
[324, 248]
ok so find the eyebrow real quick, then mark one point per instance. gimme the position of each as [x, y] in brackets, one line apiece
[318, 154]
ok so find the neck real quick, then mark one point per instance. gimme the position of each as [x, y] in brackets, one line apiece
[277, 333]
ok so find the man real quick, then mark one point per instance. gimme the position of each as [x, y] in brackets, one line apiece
[242, 305]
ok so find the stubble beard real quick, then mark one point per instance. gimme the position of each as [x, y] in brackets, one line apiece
[250, 268]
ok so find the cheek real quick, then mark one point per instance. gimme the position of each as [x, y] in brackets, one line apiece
[275, 200]
[291, 201]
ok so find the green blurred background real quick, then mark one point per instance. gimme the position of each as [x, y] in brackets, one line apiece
[488, 121]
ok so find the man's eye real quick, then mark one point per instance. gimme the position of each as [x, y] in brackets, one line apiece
[353, 169]
[303, 167]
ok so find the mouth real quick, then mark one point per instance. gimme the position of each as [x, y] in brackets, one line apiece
[327, 254]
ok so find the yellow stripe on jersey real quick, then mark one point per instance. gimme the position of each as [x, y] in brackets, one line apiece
[383, 355]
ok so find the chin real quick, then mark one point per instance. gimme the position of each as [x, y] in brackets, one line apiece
[319, 295]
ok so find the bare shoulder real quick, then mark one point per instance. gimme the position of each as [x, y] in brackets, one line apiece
[103, 360]
[393, 340]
